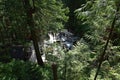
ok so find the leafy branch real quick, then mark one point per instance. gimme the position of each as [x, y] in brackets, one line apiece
[107, 42]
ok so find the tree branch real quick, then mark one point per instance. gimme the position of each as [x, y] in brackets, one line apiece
[105, 47]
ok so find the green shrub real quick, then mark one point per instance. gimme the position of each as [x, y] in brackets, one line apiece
[20, 70]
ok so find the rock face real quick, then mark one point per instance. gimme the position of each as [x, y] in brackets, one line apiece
[59, 41]
[67, 39]
[33, 57]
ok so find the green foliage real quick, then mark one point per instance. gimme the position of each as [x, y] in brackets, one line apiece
[99, 14]
[56, 54]
[50, 15]
[77, 61]
[99, 17]
[19, 70]
[80, 63]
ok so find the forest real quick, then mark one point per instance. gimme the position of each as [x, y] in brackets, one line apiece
[59, 39]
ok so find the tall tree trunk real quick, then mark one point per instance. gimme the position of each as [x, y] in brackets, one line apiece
[31, 24]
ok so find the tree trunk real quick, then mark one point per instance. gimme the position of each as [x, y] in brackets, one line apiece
[31, 24]
[54, 68]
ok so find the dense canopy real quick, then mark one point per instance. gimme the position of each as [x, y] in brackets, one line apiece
[59, 40]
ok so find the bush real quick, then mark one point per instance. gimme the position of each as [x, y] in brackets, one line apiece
[20, 70]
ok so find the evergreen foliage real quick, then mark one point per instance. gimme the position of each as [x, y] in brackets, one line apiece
[93, 20]
[19, 70]
[48, 16]
[99, 15]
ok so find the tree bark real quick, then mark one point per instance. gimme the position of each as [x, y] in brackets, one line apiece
[54, 68]
[31, 24]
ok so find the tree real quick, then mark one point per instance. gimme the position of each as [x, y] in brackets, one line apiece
[99, 16]
[32, 21]
[31, 24]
